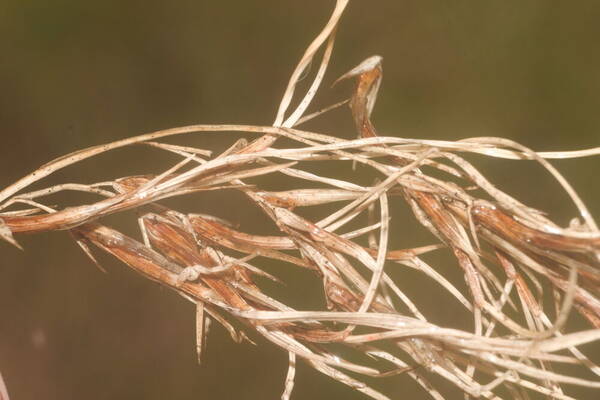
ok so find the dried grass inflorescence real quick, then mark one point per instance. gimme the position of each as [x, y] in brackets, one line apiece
[508, 252]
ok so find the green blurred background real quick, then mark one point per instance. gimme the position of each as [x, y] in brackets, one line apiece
[80, 73]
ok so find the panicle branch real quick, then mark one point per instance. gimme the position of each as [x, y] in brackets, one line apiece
[509, 253]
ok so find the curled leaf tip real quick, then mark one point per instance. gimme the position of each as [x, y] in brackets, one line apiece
[371, 63]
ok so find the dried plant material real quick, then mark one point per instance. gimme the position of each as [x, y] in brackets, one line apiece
[368, 74]
[200, 330]
[289, 379]
[509, 254]
[3, 390]
[328, 33]
[6, 234]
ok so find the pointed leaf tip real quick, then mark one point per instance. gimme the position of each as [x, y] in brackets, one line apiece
[367, 65]
[6, 234]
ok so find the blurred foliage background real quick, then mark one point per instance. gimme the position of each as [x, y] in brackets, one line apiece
[80, 73]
